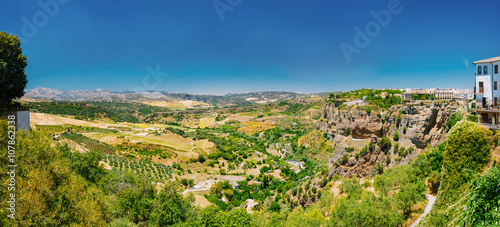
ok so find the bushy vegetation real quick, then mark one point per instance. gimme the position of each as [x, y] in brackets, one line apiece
[374, 97]
[384, 143]
[454, 118]
[91, 144]
[121, 112]
[126, 195]
[149, 170]
[73, 128]
[466, 154]
[483, 200]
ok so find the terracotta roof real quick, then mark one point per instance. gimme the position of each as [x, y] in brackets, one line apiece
[253, 182]
[489, 60]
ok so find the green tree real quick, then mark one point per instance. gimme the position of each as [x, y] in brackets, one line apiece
[385, 143]
[53, 194]
[170, 207]
[13, 79]
[216, 189]
[212, 216]
[229, 194]
[275, 207]
[467, 152]
[202, 158]
[396, 136]
[238, 217]
[454, 118]
[483, 205]
[408, 195]
[351, 187]
[85, 164]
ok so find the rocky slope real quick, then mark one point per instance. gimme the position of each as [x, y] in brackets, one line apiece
[352, 129]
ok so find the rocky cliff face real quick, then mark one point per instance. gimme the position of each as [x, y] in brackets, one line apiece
[352, 128]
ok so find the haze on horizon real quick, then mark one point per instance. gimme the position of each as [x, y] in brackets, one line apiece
[190, 46]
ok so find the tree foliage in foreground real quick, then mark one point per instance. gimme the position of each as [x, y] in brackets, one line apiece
[13, 79]
[467, 153]
[483, 205]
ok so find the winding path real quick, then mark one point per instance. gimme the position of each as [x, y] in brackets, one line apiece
[427, 210]
[196, 190]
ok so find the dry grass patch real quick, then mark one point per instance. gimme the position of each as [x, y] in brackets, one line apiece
[194, 104]
[240, 118]
[172, 105]
[206, 121]
[199, 199]
[251, 127]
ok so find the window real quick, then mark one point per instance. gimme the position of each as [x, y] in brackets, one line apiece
[496, 69]
[481, 88]
[495, 85]
[485, 70]
[479, 70]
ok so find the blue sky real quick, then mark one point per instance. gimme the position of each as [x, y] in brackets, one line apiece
[259, 45]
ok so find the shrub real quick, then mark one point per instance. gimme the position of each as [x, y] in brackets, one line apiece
[384, 143]
[404, 130]
[363, 151]
[371, 146]
[396, 136]
[396, 148]
[349, 149]
[467, 152]
[323, 182]
[348, 131]
[433, 181]
[379, 168]
[402, 152]
[454, 118]
[344, 158]
[351, 187]
[201, 158]
[483, 206]
[472, 118]
[335, 177]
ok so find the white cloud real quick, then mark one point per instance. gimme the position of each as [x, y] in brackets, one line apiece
[466, 62]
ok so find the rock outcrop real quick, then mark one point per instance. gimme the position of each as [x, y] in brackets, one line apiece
[417, 125]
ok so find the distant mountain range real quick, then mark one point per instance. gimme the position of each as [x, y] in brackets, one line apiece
[248, 98]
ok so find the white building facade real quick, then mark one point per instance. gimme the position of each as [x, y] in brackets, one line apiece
[487, 90]
[487, 82]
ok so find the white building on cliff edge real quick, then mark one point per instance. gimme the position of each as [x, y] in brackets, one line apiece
[487, 92]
